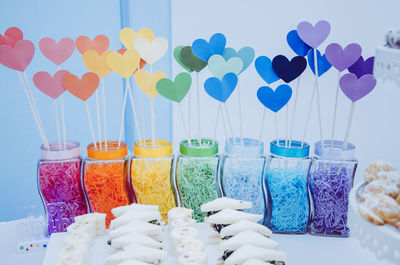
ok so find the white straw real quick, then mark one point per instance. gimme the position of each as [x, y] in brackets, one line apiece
[223, 120]
[152, 118]
[104, 113]
[286, 125]
[276, 128]
[190, 112]
[90, 124]
[183, 122]
[198, 108]
[318, 99]
[123, 114]
[63, 121]
[294, 110]
[228, 119]
[134, 111]
[240, 114]
[262, 124]
[308, 116]
[334, 111]
[216, 122]
[349, 123]
[98, 117]
[57, 124]
[141, 103]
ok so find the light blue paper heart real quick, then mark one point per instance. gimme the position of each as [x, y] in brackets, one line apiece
[204, 50]
[322, 62]
[296, 44]
[221, 90]
[274, 100]
[219, 67]
[246, 54]
[264, 68]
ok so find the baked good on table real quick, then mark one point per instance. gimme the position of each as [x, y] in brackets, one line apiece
[376, 167]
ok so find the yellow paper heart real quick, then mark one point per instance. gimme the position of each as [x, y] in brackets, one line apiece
[128, 35]
[96, 63]
[124, 65]
[148, 84]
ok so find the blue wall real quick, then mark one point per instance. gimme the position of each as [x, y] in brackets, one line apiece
[57, 19]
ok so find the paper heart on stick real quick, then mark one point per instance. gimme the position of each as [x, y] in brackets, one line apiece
[152, 51]
[362, 67]
[219, 67]
[142, 62]
[289, 70]
[341, 58]
[314, 35]
[128, 35]
[81, 88]
[124, 65]
[18, 57]
[264, 68]
[221, 90]
[97, 63]
[192, 61]
[57, 52]
[11, 37]
[274, 100]
[204, 49]
[355, 88]
[297, 44]
[175, 90]
[100, 44]
[178, 59]
[322, 62]
[148, 83]
[52, 86]
[246, 54]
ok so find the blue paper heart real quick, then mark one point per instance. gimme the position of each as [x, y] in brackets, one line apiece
[221, 90]
[274, 100]
[246, 54]
[296, 44]
[264, 68]
[204, 50]
[323, 64]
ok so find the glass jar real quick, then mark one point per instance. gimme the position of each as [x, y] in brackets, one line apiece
[286, 181]
[151, 175]
[331, 179]
[196, 174]
[59, 184]
[105, 178]
[241, 172]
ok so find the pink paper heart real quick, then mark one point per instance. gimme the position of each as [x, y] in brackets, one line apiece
[11, 37]
[50, 85]
[57, 52]
[18, 57]
[314, 35]
[354, 88]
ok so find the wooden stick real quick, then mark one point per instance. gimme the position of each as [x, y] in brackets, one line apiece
[63, 121]
[90, 124]
[318, 99]
[349, 123]
[334, 111]
[134, 112]
[262, 124]
[98, 117]
[104, 112]
[294, 111]
[57, 124]
[184, 126]
[123, 114]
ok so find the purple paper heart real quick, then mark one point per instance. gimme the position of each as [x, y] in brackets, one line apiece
[341, 58]
[362, 67]
[355, 88]
[314, 35]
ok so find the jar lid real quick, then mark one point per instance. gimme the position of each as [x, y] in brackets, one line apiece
[54, 152]
[161, 148]
[296, 149]
[335, 151]
[207, 147]
[244, 147]
[113, 151]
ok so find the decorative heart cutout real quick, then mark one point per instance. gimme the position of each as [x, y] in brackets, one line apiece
[219, 67]
[128, 35]
[289, 70]
[274, 100]
[341, 58]
[81, 88]
[264, 68]
[18, 57]
[355, 88]
[177, 56]
[246, 54]
[148, 83]
[57, 52]
[151, 52]
[100, 44]
[142, 62]
[297, 44]
[175, 90]
[314, 35]
[221, 90]
[322, 62]
[52, 86]
[191, 60]
[124, 65]
[204, 50]
[11, 36]
[362, 67]
[97, 63]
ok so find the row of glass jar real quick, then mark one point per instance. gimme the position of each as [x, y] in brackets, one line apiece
[296, 194]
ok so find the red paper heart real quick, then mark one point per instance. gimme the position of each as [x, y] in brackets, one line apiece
[50, 85]
[57, 52]
[11, 37]
[18, 57]
[100, 44]
[81, 88]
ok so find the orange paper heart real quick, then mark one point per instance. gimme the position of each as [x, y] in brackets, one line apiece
[81, 88]
[100, 44]
[96, 63]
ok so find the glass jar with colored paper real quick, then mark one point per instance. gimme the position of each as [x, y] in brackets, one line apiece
[331, 179]
[196, 174]
[286, 181]
[105, 178]
[241, 172]
[59, 184]
[151, 175]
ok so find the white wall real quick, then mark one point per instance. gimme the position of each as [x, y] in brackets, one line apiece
[263, 25]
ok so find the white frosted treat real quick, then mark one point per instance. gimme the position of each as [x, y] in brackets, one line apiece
[247, 252]
[244, 225]
[193, 258]
[225, 203]
[83, 227]
[230, 216]
[150, 216]
[140, 253]
[133, 262]
[179, 213]
[189, 245]
[81, 250]
[213, 236]
[180, 234]
[118, 211]
[375, 167]
[181, 223]
[256, 262]
[98, 219]
[71, 260]
[137, 226]
[78, 238]
[135, 238]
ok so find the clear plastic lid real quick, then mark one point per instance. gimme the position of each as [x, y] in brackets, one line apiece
[244, 147]
[335, 150]
[71, 150]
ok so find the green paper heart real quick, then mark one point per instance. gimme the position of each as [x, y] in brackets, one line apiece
[191, 60]
[175, 90]
[177, 56]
